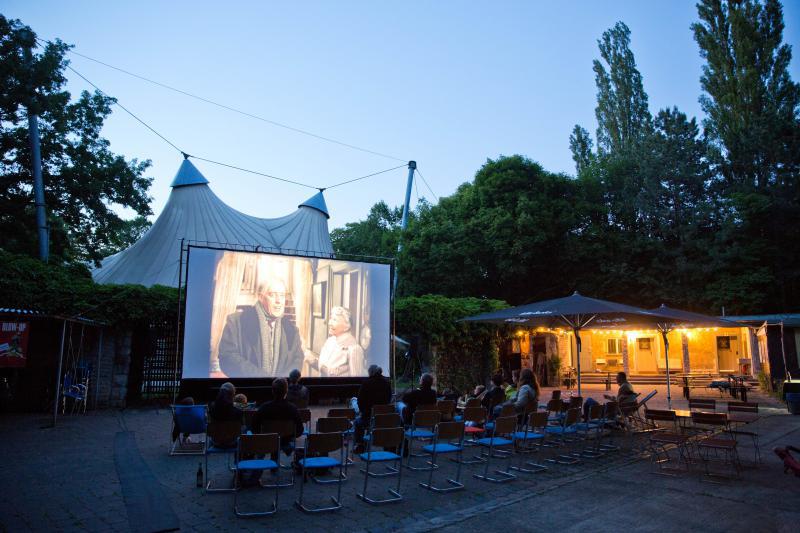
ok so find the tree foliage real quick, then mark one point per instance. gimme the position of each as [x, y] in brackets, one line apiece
[466, 353]
[660, 211]
[83, 180]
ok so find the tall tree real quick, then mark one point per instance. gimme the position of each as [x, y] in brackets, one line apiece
[622, 113]
[84, 181]
[752, 106]
[580, 144]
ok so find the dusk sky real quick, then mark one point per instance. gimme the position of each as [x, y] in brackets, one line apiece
[448, 84]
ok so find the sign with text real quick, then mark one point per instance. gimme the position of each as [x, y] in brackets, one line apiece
[14, 344]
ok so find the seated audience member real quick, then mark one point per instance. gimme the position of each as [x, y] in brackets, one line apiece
[625, 395]
[175, 430]
[449, 394]
[240, 401]
[511, 390]
[223, 410]
[477, 392]
[528, 393]
[297, 393]
[494, 396]
[422, 396]
[376, 390]
[278, 409]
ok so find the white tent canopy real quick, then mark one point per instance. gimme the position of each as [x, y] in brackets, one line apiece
[194, 213]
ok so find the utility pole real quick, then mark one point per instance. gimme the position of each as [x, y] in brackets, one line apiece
[36, 156]
[412, 166]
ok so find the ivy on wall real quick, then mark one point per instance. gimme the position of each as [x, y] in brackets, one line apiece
[464, 353]
[27, 283]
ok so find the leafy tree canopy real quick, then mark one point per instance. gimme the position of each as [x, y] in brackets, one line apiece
[83, 180]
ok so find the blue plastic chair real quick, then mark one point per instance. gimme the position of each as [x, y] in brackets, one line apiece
[388, 438]
[322, 444]
[504, 429]
[255, 446]
[448, 438]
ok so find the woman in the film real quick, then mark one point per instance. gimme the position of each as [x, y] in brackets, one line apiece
[341, 355]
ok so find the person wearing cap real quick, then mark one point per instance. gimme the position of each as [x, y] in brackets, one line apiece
[297, 394]
[376, 390]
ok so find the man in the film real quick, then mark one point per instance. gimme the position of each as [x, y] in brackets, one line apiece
[261, 341]
[341, 355]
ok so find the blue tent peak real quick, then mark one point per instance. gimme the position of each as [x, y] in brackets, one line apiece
[317, 202]
[188, 175]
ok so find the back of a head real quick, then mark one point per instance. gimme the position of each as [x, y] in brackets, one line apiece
[374, 370]
[526, 377]
[497, 380]
[426, 381]
[294, 376]
[279, 388]
[226, 392]
[622, 376]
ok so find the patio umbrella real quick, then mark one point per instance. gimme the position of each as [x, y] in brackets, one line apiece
[575, 312]
[677, 318]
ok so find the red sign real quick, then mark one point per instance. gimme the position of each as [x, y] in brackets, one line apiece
[14, 343]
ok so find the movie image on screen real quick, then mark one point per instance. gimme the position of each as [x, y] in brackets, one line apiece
[252, 315]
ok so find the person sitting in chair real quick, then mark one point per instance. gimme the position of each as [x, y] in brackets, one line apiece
[625, 395]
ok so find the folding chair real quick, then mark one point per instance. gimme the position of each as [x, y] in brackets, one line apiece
[387, 437]
[350, 415]
[447, 408]
[188, 420]
[560, 437]
[322, 444]
[255, 446]
[285, 429]
[383, 421]
[590, 431]
[504, 429]
[746, 407]
[609, 419]
[554, 410]
[717, 425]
[385, 409]
[703, 405]
[532, 436]
[221, 439]
[448, 432]
[422, 428]
[662, 441]
[305, 417]
[505, 411]
[476, 417]
[334, 425]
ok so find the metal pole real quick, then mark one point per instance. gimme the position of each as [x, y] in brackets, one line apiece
[412, 166]
[36, 162]
[176, 383]
[58, 376]
[97, 370]
[578, 345]
[664, 332]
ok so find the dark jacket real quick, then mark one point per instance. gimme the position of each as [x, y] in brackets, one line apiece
[374, 391]
[222, 411]
[240, 353]
[414, 398]
[493, 397]
[297, 394]
[277, 410]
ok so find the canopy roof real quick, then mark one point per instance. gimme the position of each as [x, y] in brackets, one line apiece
[688, 319]
[573, 311]
[194, 213]
[791, 320]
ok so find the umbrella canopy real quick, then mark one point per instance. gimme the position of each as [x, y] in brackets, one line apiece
[686, 319]
[677, 318]
[576, 312]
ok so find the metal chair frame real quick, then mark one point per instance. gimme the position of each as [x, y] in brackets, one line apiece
[387, 437]
[199, 423]
[260, 444]
[285, 429]
[421, 419]
[221, 431]
[384, 421]
[662, 442]
[503, 426]
[448, 432]
[533, 442]
[322, 443]
[335, 425]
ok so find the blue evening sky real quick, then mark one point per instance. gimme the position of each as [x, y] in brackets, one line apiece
[448, 84]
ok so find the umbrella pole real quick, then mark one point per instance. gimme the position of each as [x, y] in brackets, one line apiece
[58, 374]
[578, 345]
[666, 358]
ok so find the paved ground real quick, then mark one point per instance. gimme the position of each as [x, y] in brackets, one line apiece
[66, 479]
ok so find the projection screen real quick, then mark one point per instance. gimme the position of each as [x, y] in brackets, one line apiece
[252, 315]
